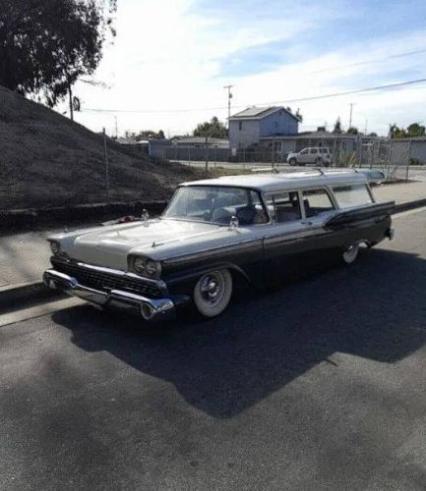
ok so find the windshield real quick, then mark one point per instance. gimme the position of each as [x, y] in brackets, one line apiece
[217, 204]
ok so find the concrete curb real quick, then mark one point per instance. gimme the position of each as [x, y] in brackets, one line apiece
[35, 291]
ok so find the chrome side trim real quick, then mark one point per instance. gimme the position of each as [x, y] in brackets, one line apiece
[148, 308]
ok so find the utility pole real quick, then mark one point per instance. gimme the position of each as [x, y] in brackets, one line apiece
[116, 127]
[351, 105]
[106, 161]
[71, 104]
[366, 125]
[228, 88]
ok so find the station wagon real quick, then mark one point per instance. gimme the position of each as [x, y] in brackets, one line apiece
[217, 233]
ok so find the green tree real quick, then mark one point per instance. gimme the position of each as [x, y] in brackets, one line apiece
[337, 130]
[415, 129]
[396, 132]
[352, 131]
[213, 129]
[412, 131]
[46, 45]
[148, 135]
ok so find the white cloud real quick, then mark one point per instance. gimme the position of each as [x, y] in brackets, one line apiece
[168, 55]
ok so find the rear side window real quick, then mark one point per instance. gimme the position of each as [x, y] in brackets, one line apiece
[316, 201]
[353, 195]
[284, 207]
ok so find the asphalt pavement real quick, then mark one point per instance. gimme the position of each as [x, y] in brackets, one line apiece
[318, 385]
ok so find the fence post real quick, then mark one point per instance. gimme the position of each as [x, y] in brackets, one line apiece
[106, 166]
[409, 159]
[206, 155]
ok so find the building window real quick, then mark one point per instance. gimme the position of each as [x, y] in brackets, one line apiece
[240, 125]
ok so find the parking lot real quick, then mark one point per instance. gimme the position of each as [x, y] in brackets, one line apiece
[318, 385]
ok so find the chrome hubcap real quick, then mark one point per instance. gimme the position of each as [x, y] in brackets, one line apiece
[351, 253]
[211, 288]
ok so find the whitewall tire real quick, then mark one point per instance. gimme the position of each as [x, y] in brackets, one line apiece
[351, 253]
[213, 292]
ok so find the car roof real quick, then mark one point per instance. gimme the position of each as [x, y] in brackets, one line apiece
[285, 180]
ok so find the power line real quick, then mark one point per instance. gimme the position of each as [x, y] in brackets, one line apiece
[372, 61]
[270, 103]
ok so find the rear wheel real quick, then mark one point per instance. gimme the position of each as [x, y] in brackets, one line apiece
[213, 292]
[351, 253]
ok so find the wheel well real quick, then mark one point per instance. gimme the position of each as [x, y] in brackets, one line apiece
[239, 278]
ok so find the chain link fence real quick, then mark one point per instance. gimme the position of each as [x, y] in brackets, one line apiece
[394, 157]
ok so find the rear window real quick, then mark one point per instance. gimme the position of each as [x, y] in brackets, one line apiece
[352, 195]
[316, 201]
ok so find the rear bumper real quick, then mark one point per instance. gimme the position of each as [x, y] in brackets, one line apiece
[390, 233]
[149, 308]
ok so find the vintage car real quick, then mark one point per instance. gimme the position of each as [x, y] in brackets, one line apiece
[217, 233]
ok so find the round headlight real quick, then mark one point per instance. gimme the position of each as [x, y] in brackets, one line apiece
[139, 265]
[55, 247]
[152, 268]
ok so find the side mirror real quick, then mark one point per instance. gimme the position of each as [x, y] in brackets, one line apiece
[234, 223]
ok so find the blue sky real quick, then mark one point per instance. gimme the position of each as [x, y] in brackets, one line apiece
[171, 55]
[342, 23]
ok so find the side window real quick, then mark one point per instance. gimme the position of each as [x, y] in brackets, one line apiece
[304, 151]
[313, 151]
[284, 207]
[316, 201]
[353, 195]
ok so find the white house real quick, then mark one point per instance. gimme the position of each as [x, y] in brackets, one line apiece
[247, 127]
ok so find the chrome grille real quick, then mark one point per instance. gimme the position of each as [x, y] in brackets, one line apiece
[101, 280]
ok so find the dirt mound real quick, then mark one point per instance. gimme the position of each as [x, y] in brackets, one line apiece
[47, 160]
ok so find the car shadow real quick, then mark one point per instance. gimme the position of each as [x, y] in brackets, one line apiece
[374, 309]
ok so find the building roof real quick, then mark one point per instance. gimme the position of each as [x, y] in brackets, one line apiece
[260, 113]
[283, 181]
[200, 140]
[129, 141]
[321, 135]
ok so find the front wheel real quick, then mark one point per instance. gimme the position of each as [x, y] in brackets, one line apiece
[292, 161]
[213, 292]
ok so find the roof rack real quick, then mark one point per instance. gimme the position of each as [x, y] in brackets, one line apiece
[319, 170]
[275, 170]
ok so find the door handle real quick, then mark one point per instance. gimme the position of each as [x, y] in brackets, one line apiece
[306, 222]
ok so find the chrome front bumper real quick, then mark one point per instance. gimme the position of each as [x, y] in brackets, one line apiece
[148, 308]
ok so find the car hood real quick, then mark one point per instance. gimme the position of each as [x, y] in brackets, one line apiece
[158, 239]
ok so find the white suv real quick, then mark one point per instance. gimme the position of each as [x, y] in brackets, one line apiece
[310, 155]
